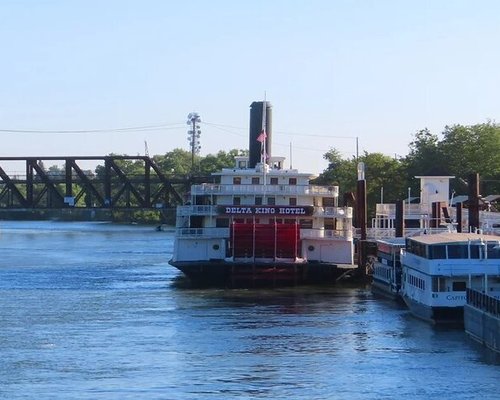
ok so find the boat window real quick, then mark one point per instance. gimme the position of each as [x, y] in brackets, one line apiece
[459, 286]
[236, 180]
[196, 221]
[329, 223]
[255, 180]
[258, 201]
[493, 250]
[458, 251]
[474, 251]
[437, 252]
[306, 223]
[222, 222]
[274, 181]
[328, 202]
[292, 201]
[292, 181]
[271, 201]
[419, 249]
[435, 284]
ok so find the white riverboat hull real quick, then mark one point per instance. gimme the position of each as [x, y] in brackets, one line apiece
[435, 315]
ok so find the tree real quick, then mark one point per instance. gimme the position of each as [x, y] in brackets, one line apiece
[175, 162]
[473, 149]
[215, 162]
[381, 171]
[340, 172]
[425, 157]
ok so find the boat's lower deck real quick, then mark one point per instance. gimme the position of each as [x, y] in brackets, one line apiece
[235, 274]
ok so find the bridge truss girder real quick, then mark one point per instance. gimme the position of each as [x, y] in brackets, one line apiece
[115, 188]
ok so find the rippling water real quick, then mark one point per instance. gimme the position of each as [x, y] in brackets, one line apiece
[93, 311]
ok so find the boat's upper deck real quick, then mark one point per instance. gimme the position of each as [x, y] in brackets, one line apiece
[455, 246]
[263, 180]
[455, 238]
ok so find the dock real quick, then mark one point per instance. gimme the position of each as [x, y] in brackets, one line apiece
[482, 319]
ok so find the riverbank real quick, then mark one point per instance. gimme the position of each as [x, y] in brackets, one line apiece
[153, 217]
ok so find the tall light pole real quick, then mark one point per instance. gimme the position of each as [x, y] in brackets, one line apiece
[194, 133]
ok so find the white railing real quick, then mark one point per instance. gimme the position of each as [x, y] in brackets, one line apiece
[333, 212]
[385, 220]
[389, 209]
[202, 232]
[325, 234]
[185, 211]
[225, 232]
[216, 189]
[386, 233]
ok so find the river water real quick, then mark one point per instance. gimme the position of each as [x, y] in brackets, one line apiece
[94, 311]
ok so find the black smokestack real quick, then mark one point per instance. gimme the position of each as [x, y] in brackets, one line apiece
[256, 109]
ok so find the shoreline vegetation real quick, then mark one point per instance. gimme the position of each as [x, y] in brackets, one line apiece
[458, 151]
[148, 217]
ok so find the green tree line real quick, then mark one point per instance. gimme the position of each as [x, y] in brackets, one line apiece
[458, 151]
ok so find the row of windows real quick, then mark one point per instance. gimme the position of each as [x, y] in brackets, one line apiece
[442, 252]
[256, 180]
[415, 281]
[271, 201]
[224, 222]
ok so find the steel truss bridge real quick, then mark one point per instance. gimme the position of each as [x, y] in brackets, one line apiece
[115, 186]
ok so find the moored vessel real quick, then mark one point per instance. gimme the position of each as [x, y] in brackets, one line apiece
[263, 223]
[438, 269]
[386, 268]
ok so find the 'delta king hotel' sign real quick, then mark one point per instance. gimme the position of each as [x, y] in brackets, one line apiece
[266, 210]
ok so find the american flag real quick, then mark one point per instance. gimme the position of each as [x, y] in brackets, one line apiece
[262, 136]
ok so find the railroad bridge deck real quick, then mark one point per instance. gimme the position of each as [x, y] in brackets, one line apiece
[119, 182]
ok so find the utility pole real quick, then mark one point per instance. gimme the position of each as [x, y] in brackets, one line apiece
[194, 133]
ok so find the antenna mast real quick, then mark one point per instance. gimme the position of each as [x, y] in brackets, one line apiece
[194, 133]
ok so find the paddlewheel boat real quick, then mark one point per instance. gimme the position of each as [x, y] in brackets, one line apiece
[262, 223]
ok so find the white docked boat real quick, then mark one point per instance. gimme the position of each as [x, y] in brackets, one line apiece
[386, 268]
[437, 270]
[263, 223]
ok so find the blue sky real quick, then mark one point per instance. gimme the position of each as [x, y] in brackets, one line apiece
[333, 70]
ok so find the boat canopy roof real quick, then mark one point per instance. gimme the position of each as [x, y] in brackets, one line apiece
[454, 237]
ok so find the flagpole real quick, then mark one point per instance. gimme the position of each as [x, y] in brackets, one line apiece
[263, 155]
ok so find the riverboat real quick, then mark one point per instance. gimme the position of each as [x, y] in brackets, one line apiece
[263, 223]
[386, 268]
[438, 269]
